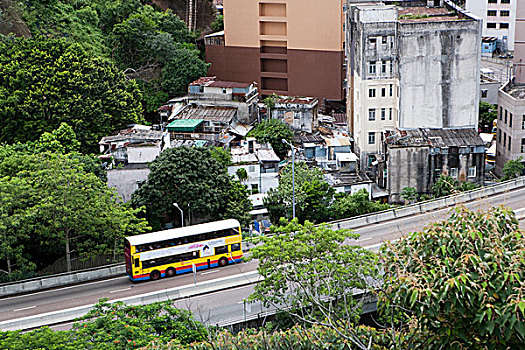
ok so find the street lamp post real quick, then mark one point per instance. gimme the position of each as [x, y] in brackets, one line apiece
[181, 213]
[293, 176]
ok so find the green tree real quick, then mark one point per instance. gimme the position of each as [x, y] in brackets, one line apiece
[487, 114]
[238, 205]
[459, 283]
[44, 82]
[218, 24]
[222, 155]
[409, 194]
[273, 131]
[242, 174]
[191, 177]
[512, 169]
[64, 206]
[184, 67]
[444, 186]
[347, 206]
[310, 270]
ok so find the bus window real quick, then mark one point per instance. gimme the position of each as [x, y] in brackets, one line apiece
[221, 250]
[137, 263]
[235, 247]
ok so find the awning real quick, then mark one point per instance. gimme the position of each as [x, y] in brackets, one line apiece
[378, 192]
[187, 125]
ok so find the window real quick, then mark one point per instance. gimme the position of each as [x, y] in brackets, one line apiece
[500, 113]
[383, 40]
[510, 142]
[221, 250]
[373, 42]
[454, 173]
[371, 138]
[491, 25]
[137, 263]
[383, 113]
[383, 92]
[223, 90]
[484, 93]
[522, 145]
[510, 120]
[493, 1]
[235, 247]
[391, 67]
[255, 188]
[499, 136]
[383, 67]
[371, 92]
[504, 13]
[523, 122]
[504, 1]
[503, 26]
[472, 171]
[391, 90]
[251, 169]
[372, 67]
[504, 139]
[506, 114]
[372, 114]
[390, 114]
[492, 13]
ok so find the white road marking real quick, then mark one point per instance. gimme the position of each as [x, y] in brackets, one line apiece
[119, 290]
[207, 272]
[25, 308]
[64, 288]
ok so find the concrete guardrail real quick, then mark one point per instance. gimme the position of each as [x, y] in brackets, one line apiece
[387, 215]
[66, 315]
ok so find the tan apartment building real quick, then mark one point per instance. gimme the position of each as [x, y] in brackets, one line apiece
[289, 47]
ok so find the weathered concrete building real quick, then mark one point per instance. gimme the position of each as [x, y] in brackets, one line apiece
[417, 157]
[300, 113]
[410, 67]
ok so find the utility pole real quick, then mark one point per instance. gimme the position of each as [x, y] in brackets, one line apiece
[293, 176]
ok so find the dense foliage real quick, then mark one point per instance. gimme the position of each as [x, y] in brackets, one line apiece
[115, 326]
[197, 182]
[460, 283]
[446, 185]
[303, 265]
[487, 114]
[512, 169]
[273, 131]
[315, 199]
[44, 82]
[53, 202]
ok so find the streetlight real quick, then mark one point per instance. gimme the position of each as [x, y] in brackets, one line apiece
[181, 213]
[293, 176]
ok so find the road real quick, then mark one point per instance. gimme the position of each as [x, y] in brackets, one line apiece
[223, 305]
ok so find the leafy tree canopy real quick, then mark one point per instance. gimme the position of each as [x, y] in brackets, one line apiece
[303, 265]
[460, 282]
[273, 131]
[512, 169]
[487, 114]
[195, 180]
[446, 185]
[45, 82]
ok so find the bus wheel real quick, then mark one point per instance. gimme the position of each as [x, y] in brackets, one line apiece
[170, 272]
[223, 262]
[154, 275]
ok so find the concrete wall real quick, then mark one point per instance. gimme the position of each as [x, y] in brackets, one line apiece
[264, 181]
[439, 73]
[127, 181]
[519, 42]
[492, 89]
[138, 155]
[407, 167]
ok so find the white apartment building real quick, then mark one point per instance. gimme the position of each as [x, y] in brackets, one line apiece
[499, 19]
[410, 67]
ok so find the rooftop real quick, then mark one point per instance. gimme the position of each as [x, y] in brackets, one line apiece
[208, 113]
[516, 91]
[184, 124]
[434, 137]
[426, 14]
[212, 82]
[133, 134]
[296, 100]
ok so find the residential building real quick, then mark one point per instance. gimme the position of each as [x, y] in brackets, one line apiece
[410, 67]
[300, 113]
[510, 137]
[260, 163]
[489, 88]
[128, 154]
[289, 47]
[417, 157]
[499, 19]
[242, 96]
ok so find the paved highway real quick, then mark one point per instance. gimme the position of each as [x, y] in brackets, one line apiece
[220, 306]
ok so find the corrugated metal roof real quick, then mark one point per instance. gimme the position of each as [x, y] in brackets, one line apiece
[337, 141]
[184, 124]
[209, 113]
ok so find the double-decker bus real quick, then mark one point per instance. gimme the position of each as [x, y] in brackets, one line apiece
[167, 253]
